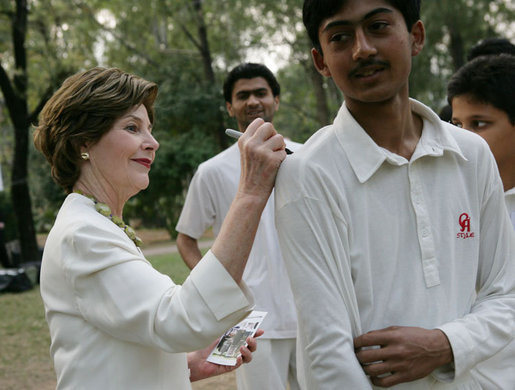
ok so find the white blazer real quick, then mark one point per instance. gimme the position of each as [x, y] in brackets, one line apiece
[117, 323]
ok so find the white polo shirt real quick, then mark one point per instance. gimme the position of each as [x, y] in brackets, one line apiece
[492, 373]
[371, 240]
[509, 196]
[209, 198]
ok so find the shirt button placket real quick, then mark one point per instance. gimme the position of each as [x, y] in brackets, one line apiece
[424, 234]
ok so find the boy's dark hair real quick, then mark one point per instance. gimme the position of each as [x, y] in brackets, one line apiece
[487, 79]
[445, 113]
[314, 12]
[249, 70]
[490, 46]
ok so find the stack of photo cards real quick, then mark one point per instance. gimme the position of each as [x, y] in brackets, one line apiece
[228, 348]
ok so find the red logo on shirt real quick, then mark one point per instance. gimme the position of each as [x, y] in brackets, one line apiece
[464, 222]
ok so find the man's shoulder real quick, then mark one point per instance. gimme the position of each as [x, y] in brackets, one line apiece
[226, 158]
[315, 145]
[311, 160]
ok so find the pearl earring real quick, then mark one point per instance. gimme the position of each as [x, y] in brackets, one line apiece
[84, 156]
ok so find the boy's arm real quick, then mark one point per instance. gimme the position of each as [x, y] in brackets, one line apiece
[188, 249]
[319, 270]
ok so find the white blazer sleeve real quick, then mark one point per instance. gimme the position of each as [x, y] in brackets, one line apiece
[118, 291]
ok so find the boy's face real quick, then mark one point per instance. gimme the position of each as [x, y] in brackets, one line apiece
[367, 50]
[490, 123]
[252, 98]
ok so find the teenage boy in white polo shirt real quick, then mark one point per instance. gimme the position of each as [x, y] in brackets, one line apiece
[482, 101]
[391, 222]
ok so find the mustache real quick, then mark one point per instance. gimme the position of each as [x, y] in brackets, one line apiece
[365, 63]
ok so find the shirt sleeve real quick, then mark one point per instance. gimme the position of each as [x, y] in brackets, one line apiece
[311, 235]
[198, 212]
[490, 325]
[119, 292]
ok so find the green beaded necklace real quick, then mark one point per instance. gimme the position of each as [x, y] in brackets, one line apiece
[105, 210]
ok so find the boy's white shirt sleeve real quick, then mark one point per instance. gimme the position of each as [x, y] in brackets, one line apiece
[320, 274]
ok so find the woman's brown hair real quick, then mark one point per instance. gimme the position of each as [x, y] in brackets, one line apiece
[82, 111]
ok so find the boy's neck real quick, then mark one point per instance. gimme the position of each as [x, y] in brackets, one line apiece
[391, 124]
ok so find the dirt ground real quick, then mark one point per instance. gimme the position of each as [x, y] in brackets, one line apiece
[222, 382]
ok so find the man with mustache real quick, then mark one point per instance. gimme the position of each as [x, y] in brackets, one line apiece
[251, 91]
[391, 222]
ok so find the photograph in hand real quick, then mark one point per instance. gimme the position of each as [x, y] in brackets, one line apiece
[227, 350]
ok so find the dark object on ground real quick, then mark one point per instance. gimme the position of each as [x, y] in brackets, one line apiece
[13, 261]
[14, 280]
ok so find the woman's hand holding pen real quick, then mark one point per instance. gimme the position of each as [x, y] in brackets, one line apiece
[262, 150]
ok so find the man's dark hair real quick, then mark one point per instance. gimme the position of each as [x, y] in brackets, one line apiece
[487, 79]
[491, 46]
[249, 70]
[314, 12]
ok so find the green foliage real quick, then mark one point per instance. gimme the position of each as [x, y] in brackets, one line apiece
[162, 41]
[186, 113]
[176, 160]
[171, 265]
[452, 28]
[47, 196]
[7, 216]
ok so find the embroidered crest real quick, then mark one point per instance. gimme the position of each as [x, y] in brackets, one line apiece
[464, 222]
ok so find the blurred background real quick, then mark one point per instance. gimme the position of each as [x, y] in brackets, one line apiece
[186, 47]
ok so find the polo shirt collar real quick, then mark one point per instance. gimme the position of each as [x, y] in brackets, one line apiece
[365, 156]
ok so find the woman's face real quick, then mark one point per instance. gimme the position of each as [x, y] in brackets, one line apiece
[121, 159]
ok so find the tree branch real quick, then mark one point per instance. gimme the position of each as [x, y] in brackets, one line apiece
[120, 38]
[19, 31]
[7, 90]
[189, 36]
[33, 116]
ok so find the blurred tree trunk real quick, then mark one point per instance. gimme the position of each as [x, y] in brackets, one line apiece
[456, 47]
[202, 44]
[15, 94]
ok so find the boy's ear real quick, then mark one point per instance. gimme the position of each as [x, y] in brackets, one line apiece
[318, 60]
[228, 106]
[418, 37]
[276, 102]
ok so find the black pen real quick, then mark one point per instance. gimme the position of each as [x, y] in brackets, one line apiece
[237, 134]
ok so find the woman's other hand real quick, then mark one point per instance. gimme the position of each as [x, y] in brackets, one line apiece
[200, 368]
